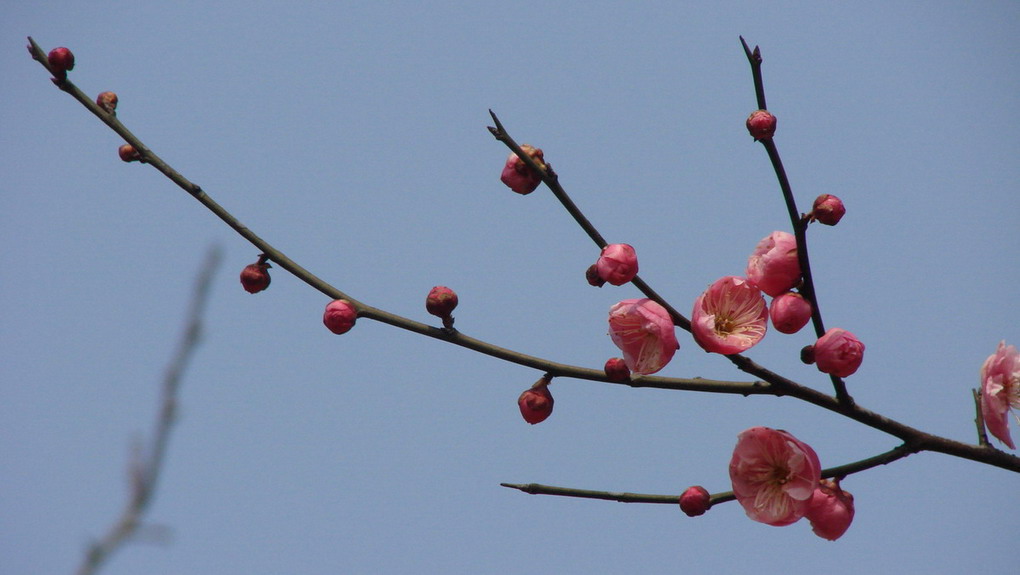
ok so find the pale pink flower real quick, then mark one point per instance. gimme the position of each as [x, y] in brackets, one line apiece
[773, 266]
[643, 330]
[518, 176]
[1000, 390]
[831, 510]
[774, 475]
[789, 312]
[730, 316]
[838, 353]
[617, 264]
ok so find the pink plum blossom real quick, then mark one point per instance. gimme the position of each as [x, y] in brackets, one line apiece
[643, 330]
[339, 316]
[838, 353]
[617, 264]
[1000, 390]
[773, 266]
[730, 316]
[789, 312]
[831, 510]
[774, 475]
[518, 176]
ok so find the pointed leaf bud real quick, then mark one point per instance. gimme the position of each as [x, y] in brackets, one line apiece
[761, 124]
[441, 302]
[107, 101]
[518, 176]
[340, 316]
[61, 60]
[789, 312]
[255, 277]
[695, 501]
[827, 209]
[128, 153]
[536, 403]
[617, 370]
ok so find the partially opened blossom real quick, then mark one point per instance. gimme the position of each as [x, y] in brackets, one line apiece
[831, 510]
[518, 176]
[774, 475]
[729, 317]
[1000, 390]
[773, 266]
[789, 312]
[643, 330]
[838, 353]
[617, 264]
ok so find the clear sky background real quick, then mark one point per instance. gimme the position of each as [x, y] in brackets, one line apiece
[352, 136]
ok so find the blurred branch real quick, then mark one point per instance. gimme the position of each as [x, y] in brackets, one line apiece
[145, 466]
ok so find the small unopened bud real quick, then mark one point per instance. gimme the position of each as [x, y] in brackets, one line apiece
[536, 403]
[838, 352]
[339, 316]
[789, 312]
[831, 510]
[593, 277]
[255, 277]
[827, 209]
[617, 264]
[441, 302]
[807, 354]
[128, 153]
[518, 176]
[695, 501]
[617, 370]
[761, 124]
[61, 60]
[107, 101]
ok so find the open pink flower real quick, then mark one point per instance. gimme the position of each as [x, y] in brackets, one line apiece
[831, 510]
[774, 475]
[518, 176]
[838, 353]
[1000, 390]
[617, 264]
[730, 316]
[773, 266]
[644, 332]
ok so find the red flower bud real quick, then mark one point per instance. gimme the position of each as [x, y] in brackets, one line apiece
[695, 501]
[827, 209]
[593, 277]
[617, 370]
[107, 101]
[789, 312]
[128, 153]
[340, 316]
[518, 176]
[761, 124]
[441, 302]
[831, 510]
[536, 403]
[61, 60]
[255, 277]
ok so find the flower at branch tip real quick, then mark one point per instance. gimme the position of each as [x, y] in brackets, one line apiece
[128, 153]
[789, 312]
[616, 369]
[1000, 390]
[536, 403]
[107, 101]
[761, 124]
[441, 302]
[61, 60]
[827, 209]
[774, 475]
[617, 264]
[339, 316]
[831, 510]
[838, 353]
[518, 176]
[592, 275]
[643, 330]
[255, 277]
[695, 501]
[729, 317]
[773, 266]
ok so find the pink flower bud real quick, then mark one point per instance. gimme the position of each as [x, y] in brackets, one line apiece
[441, 302]
[1000, 390]
[695, 501]
[827, 209]
[838, 353]
[536, 403]
[518, 176]
[339, 316]
[790, 312]
[643, 330]
[593, 277]
[618, 264]
[729, 317]
[128, 153]
[107, 101]
[761, 124]
[831, 510]
[617, 370]
[61, 60]
[255, 277]
[773, 266]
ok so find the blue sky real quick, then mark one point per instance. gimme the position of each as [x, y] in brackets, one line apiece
[352, 136]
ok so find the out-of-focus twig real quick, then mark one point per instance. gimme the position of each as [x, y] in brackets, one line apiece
[146, 464]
